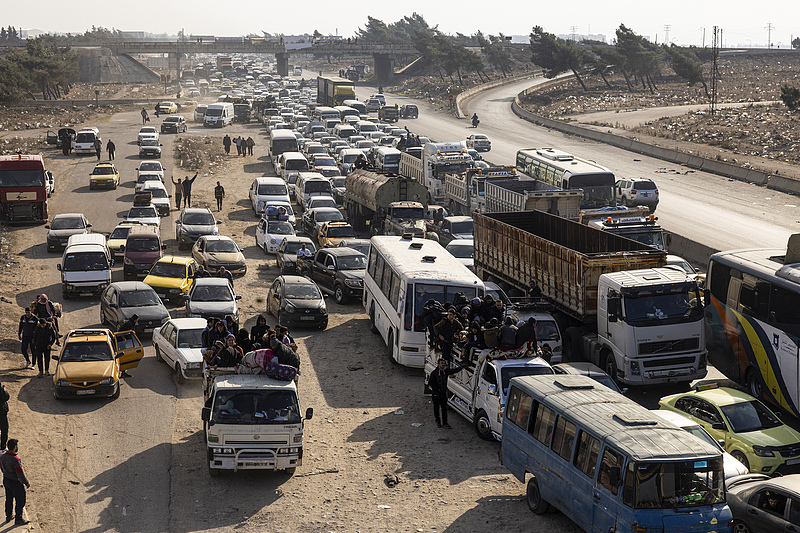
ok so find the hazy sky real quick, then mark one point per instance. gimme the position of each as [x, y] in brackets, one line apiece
[742, 25]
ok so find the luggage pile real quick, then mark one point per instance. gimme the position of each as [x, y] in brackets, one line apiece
[263, 361]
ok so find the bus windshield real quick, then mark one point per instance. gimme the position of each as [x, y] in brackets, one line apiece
[598, 189]
[410, 213]
[508, 372]
[22, 178]
[443, 294]
[673, 485]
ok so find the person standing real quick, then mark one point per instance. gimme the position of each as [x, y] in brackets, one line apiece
[437, 383]
[226, 274]
[144, 116]
[238, 141]
[41, 344]
[446, 331]
[98, 148]
[219, 194]
[4, 397]
[27, 326]
[178, 191]
[130, 324]
[44, 308]
[111, 148]
[15, 482]
[226, 143]
[187, 190]
[250, 144]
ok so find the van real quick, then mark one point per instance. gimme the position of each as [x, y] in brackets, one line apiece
[606, 462]
[344, 131]
[85, 265]
[200, 112]
[311, 184]
[84, 140]
[281, 141]
[291, 162]
[358, 106]
[218, 115]
[267, 189]
[323, 113]
[387, 159]
[331, 123]
[363, 127]
[346, 111]
[143, 247]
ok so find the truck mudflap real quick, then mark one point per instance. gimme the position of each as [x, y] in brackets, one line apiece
[255, 459]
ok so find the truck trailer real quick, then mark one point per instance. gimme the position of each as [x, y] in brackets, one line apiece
[385, 202]
[333, 91]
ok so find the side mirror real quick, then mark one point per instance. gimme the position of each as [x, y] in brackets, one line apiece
[721, 443]
[205, 414]
[58, 266]
[668, 239]
[112, 304]
[309, 413]
[238, 296]
[493, 389]
[219, 222]
[331, 267]
[718, 426]
[111, 262]
[88, 225]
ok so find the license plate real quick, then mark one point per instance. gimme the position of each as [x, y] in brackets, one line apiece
[85, 392]
[306, 318]
[645, 194]
[148, 330]
[790, 462]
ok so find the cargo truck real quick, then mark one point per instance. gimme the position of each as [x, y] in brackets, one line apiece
[617, 307]
[530, 195]
[629, 223]
[251, 422]
[465, 192]
[436, 160]
[391, 204]
[334, 91]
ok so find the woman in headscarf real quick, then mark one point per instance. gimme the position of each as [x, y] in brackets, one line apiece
[260, 328]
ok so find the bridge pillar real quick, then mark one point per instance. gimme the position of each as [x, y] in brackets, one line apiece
[384, 67]
[283, 63]
[174, 63]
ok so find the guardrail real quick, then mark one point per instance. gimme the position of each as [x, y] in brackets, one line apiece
[78, 103]
[488, 85]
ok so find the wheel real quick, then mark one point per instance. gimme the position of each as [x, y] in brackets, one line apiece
[178, 374]
[390, 346]
[372, 327]
[754, 384]
[740, 527]
[213, 472]
[265, 248]
[739, 456]
[290, 471]
[116, 393]
[535, 500]
[91, 186]
[338, 294]
[483, 427]
[610, 366]
[323, 325]
[158, 354]
[104, 320]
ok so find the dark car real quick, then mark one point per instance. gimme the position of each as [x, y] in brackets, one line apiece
[297, 301]
[174, 124]
[338, 271]
[287, 252]
[763, 504]
[63, 227]
[409, 111]
[150, 148]
[123, 299]
[194, 222]
[212, 297]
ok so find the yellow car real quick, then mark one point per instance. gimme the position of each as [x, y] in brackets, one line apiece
[332, 233]
[172, 277]
[215, 251]
[92, 360]
[119, 237]
[104, 175]
[167, 107]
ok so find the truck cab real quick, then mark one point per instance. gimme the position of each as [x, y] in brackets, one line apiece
[640, 229]
[251, 422]
[405, 217]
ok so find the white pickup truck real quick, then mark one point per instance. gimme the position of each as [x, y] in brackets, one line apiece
[251, 422]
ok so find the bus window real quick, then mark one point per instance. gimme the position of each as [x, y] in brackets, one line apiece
[444, 294]
[563, 438]
[586, 458]
[542, 427]
[785, 310]
[610, 469]
[719, 279]
[754, 297]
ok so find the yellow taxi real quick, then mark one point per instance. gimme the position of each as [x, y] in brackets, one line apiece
[332, 233]
[117, 239]
[167, 107]
[91, 361]
[172, 276]
[104, 175]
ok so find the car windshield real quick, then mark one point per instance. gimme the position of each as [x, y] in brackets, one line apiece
[148, 130]
[86, 351]
[103, 170]
[256, 407]
[508, 372]
[280, 228]
[674, 484]
[213, 293]
[67, 223]
[171, 119]
[349, 158]
[222, 246]
[168, 270]
[338, 182]
[644, 186]
[151, 167]
[149, 142]
[120, 233]
[462, 227]
[327, 216]
[321, 201]
[462, 251]
[703, 435]
[142, 244]
[749, 416]
[292, 247]
[329, 172]
[158, 193]
[83, 261]
[546, 329]
[190, 338]
[301, 291]
[198, 219]
[142, 212]
[324, 162]
[277, 189]
[681, 265]
[352, 262]
[341, 232]
[138, 299]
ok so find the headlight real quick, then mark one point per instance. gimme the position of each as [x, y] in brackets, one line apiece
[107, 381]
[215, 231]
[298, 438]
[273, 241]
[353, 283]
[213, 260]
[127, 261]
[290, 308]
[192, 365]
[63, 383]
[763, 451]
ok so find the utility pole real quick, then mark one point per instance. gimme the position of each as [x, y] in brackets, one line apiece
[769, 29]
[667, 27]
[574, 32]
[714, 57]
[704, 37]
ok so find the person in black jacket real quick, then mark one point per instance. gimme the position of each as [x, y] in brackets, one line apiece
[437, 383]
[27, 326]
[430, 315]
[258, 331]
[526, 335]
[4, 397]
[43, 338]
[446, 331]
[205, 335]
[187, 190]
[474, 339]
[285, 355]
[130, 324]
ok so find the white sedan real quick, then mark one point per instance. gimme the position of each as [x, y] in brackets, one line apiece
[147, 133]
[271, 233]
[151, 167]
[143, 214]
[178, 343]
[479, 142]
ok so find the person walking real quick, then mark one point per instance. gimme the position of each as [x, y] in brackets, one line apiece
[178, 191]
[238, 141]
[15, 482]
[27, 327]
[226, 143]
[187, 190]
[44, 308]
[250, 144]
[437, 383]
[43, 338]
[98, 148]
[111, 148]
[219, 194]
[144, 116]
[4, 397]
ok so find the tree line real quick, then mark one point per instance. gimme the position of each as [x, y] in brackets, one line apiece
[43, 67]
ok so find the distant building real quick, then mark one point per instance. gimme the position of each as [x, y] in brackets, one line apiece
[578, 37]
[133, 35]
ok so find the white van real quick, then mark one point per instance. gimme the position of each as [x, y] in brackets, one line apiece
[387, 159]
[281, 141]
[344, 131]
[85, 265]
[355, 104]
[291, 162]
[311, 184]
[84, 140]
[363, 127]
[331, 123]
[200, 112]
[266, 190]
[218, 115]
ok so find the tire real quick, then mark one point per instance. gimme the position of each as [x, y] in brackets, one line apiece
[483, 427]
[740, 527]
[338, 294]
[265, 248]
[739, 456]
[534, 497]
[178, 374]
[104, 320]
[754, 384]
[116, 393]
[213, 472]
[323, 326]
[290, 471]
[390, 346]
[158, 354]
[372, 327]
[610, 367]
[91, 187]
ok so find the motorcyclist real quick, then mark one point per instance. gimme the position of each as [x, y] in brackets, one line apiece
[475, 120]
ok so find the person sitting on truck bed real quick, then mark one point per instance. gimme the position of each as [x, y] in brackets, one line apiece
[526, 335]
[508, 334]
[486, 312]
[227, 355]
[258, 331]
[447, 331]
[474, 339]
[285, 355]
[474, 309]
[491, 333]
[431, 314]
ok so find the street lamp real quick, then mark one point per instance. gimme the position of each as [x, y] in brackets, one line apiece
[96, 97]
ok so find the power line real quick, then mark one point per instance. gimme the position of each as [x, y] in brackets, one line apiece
[667, 27]
[717, 36]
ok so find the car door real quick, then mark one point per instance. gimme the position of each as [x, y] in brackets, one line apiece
[760, 517]
[161, 339]
[112, 306]
[198, 251]
[261, 234]
[132, 350]
[172, 345]
[274, 298]
[329, 272]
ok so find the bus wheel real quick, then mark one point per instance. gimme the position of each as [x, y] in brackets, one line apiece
[483, 427]
[754, 384]
[390, 346]
[535, 500]
[372, 325]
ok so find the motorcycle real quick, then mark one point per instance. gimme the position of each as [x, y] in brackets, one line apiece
[475, 122]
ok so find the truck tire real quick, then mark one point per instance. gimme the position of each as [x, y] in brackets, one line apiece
[572, 344]
[610, 366]
[290, 471]
[534, 497]
[338, 294]
[754, 383]
[213, 472]
[390, 346]
[483, 426]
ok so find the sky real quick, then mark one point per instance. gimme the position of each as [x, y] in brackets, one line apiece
[683, 22]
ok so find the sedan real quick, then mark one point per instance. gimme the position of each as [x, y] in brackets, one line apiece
[147, 133]
[215, 251]
[479, 142]
[123, 299]
[174, 124]
[271, 233]
[104, 175]
[194, 222]
[150, 148]
[178, 343]
[151, 167]
[752, 433]
[463, 250]
[167, 107]
[63, 227]
[297, 301]
[212, 297]
[143, 214]
[760, 504]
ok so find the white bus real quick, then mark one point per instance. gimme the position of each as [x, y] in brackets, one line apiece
[403, 273]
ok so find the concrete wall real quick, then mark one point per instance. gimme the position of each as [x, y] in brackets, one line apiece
[100, 65]
[460, 97]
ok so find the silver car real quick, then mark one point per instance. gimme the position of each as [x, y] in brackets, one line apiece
[637, 192]
[212, 297]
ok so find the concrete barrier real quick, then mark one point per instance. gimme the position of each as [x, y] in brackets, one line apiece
[692, 251]
[783, 184]
[463, 95]
[83, 103]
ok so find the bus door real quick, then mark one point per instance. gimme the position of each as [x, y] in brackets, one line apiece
[606, 490]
